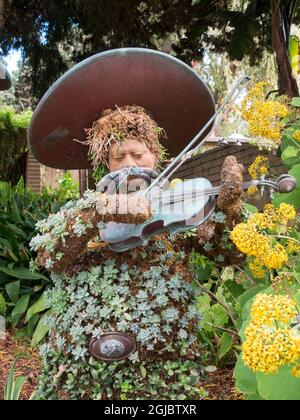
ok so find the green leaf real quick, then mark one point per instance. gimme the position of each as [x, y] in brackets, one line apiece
[15, 214]
[17, 231]
[12, 289]
[250, 208]
[31, 325]
[39, 306]
[225, 344]
[143, 372]
[295, 101]
[227, 274]
[18, 384]
[10, 382]
[291, 156]
[3, 306]
[293, 197]
[13, 388]
[253, 397]
[219, 315]
[23, 273]
[245, 378]
[278, 386]
[19, 309]
[204, 272]
[41, 330]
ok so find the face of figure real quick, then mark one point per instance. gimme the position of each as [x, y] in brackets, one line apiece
[130, 153]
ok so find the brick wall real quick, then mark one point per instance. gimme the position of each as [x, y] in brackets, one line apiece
[209, 163]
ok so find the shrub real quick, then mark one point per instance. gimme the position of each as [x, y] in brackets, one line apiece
[21, 286]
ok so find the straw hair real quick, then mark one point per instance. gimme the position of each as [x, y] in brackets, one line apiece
[116, 125]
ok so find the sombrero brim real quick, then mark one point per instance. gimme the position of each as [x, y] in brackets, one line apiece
[5, 78]
[177, 98]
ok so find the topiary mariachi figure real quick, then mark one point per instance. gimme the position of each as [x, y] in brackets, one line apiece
[123, 325]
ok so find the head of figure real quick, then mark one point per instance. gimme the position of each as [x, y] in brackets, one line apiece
[125, 137]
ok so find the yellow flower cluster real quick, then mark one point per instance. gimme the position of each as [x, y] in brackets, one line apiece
[292, 247]
[265, 220]
[263, 116]
[252, 238]
[252, 190]
[255, 94]
[286, 213]
[296, 135]
[257, 269]
[259, 167]
[266, 309]
[255, 244]
[270, 341]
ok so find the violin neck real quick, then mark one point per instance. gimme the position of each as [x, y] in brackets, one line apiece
[246, 185]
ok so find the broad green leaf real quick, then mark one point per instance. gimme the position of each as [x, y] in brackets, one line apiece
[15, 214]
[250, 208]
[143, 372]
[225, 344]
[219, 314]
[291, 156]
[3, 306]
[279, 386]
[12, 289]
[293, 197]
[204, 272]
[17, 230]
[19, 382]
[31, 325]
[295, 101]
[39, 306]
[253, 397]
[203, 302]
[23, 273]
[41, 330]
[245, 378]
[10, 382]
[19, 309]
[227, 274]
[5, 243]
[288, 141]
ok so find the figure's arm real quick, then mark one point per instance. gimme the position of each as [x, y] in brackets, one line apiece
[213, 236]
[65, 235]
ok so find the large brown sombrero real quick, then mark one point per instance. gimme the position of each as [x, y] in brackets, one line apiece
[177, 98]
[5, 78]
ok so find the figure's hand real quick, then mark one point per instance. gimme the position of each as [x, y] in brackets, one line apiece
[131, 208]
[212, 238]
[231, 183]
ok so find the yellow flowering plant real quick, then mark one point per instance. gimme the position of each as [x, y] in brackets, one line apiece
[270, 240]
[274, 124]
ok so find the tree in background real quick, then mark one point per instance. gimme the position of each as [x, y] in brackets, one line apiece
[186, 28]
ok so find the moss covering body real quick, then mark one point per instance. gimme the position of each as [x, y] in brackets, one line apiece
[146, 292]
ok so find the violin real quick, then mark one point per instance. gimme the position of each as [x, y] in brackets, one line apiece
[183, 207]
[186, 206]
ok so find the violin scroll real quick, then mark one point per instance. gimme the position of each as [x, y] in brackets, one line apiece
[286, 183]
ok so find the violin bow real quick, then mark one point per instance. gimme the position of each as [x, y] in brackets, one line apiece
[178, 161]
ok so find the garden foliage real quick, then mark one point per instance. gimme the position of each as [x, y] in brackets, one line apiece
[13, 139]
[21, 288]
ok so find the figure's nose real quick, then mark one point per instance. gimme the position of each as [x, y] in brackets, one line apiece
[128, 161]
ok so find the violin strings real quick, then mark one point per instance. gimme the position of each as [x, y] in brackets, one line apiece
[179, 196]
